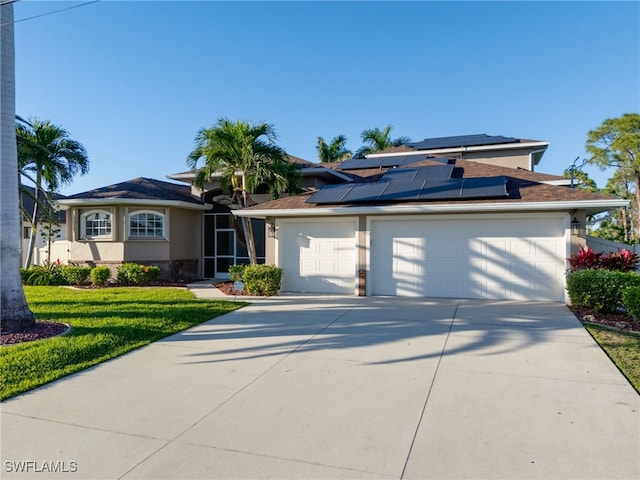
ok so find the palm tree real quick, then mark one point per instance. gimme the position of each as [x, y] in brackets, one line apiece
[243, 156]
[49, 158]
[336, 151]
[376, 140]
[14, 311]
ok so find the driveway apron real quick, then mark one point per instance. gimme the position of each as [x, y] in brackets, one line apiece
[341, 387]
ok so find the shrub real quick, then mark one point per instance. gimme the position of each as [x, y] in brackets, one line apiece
[631, 301]
[236, 273]
[620, 261]
[46, 274]
[262, 279]
[74, 275]
[600, 290]
[136, 274]
[100, 276]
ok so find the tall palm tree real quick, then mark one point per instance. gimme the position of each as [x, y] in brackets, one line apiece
[243, 156]
[14, 311]
[336, 151]
[50, 159]
[376, 140]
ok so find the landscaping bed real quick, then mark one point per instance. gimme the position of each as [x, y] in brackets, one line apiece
[621, 321]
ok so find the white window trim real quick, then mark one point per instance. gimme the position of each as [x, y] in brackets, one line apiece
[162, 214]
[83, 224]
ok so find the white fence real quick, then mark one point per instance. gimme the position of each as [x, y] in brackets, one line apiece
[606, 246]
[59, 251]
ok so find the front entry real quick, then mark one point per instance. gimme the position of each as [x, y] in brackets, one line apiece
[222, 247]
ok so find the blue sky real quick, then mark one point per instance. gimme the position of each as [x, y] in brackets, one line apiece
[134, 81]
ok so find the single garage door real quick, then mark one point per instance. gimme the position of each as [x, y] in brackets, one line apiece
[520, 257]
[318, 257]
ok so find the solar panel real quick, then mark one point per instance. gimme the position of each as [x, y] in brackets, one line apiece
[430, 173]
[462, 141]
[484, 187]
[364, 192]
[448, 189]
[351, 164]
[401, 191]
[381, 162]
[331, 193]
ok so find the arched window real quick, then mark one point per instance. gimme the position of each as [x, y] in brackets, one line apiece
[96, 224]
[146, 224]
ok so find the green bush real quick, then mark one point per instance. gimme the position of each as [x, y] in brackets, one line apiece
[631, 301]
[262, 279]
[74, 275]
[136, 274]
[236, 273]
[46, 274]
[100, 276]
[600, 290]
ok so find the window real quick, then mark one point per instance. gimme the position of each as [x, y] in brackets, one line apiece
[146, 224]
[96, 223]
[26, 233]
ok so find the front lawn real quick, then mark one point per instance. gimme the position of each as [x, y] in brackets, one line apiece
[106, 323]
[623, 349]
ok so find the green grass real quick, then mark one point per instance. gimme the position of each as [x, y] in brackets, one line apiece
[623, 349]
[106, 323]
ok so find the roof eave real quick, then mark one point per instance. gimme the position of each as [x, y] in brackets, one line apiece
[590, 206]
[97, 202]
[462, 149]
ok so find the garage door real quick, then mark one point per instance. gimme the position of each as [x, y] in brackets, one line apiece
[318, 257]
[480, 257]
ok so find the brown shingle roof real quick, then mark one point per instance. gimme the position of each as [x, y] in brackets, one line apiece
[140, 189]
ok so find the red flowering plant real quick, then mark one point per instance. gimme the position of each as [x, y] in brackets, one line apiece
[620, 261]
[585, 259]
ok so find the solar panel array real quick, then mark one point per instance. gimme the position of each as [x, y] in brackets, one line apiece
[392, 161]
[412, 184]
[462, 141]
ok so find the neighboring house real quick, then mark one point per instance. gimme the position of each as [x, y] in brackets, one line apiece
[40, 254]
[446, 217]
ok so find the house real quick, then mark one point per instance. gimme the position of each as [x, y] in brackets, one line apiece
[465, 216]
[141, 220]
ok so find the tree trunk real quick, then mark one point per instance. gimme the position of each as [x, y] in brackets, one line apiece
[34, 223]
[248, 227]
[636, 221]
[625, 223]
[14, 311]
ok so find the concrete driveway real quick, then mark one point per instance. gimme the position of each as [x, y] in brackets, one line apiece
[341, 387]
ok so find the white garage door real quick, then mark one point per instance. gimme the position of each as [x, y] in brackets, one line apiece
[519, 257]
[318, 257]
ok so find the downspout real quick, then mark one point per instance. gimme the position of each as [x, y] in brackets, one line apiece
[531, 154]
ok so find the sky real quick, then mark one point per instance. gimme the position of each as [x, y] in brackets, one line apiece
[134, 81]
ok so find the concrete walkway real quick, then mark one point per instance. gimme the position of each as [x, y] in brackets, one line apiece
[341, 387]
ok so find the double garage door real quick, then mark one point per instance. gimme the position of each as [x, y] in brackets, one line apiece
[499, 257]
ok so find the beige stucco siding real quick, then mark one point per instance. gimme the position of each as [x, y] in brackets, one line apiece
[507, 158]
[185, 233]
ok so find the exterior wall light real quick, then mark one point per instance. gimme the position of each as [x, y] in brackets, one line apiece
[272, 231]
[575, 227]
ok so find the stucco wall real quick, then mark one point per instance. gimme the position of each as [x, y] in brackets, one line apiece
[507, 158]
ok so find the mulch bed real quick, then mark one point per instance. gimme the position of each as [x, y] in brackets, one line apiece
[227, 289]
[618, 321]
[40, 330]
